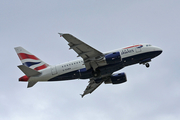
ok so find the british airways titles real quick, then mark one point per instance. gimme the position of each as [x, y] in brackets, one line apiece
[125, 51]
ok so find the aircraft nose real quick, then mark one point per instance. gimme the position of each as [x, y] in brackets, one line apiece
[158, 50]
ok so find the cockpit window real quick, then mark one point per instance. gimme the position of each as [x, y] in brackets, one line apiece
[148, 45]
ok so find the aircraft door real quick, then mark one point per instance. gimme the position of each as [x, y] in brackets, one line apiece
[53, 70]
[138, 49]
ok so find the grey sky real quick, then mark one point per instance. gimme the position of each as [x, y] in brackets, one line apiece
[149, 94]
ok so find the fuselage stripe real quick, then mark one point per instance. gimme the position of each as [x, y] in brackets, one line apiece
[41, 67]
[23, 56]
[29, 64]
[132, 46]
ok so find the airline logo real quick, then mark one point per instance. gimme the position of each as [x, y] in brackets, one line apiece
[125, 51]
[30, 60]
[140, 46]
[129, 50]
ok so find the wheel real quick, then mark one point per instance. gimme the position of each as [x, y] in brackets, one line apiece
[147, 65]
[96, 73]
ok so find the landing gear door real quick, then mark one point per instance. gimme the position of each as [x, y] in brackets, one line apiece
[53, 70]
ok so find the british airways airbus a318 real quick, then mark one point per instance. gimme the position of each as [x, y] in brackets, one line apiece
[94, 65]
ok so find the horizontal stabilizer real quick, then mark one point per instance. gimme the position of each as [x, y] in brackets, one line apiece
[31, 83]
[28, 71]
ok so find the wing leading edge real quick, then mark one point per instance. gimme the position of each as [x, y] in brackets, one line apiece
[89, 54]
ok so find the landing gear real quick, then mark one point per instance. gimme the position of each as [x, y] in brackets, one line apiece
[96, 73]
[145, 62]
[147, 65]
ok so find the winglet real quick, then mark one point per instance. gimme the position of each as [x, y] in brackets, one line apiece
[61, 34]
[82, 95]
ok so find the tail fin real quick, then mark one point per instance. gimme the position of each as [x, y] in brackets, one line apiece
[29, 60]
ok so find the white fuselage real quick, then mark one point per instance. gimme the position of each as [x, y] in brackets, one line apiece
[129, 55]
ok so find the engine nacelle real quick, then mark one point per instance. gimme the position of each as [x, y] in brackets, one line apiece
[113, 58]
[116, 79]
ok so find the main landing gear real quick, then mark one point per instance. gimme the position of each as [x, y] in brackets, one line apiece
[96, 73]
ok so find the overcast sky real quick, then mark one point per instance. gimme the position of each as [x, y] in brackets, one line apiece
[149, 93]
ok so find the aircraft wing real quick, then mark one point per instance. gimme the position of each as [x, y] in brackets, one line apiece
[93, 85]
[88, 53]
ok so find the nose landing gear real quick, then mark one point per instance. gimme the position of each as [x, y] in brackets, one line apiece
[147, 65]
[145, 62]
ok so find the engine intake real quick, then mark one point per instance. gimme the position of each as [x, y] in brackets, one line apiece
[116, 79]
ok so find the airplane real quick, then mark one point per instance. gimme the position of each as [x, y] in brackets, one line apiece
[97, 66]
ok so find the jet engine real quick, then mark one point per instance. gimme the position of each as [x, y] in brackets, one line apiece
[116, 79]
[113, 58]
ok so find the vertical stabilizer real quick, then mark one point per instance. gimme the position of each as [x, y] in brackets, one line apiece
[30, 60]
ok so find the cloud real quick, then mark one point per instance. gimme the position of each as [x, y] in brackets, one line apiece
[151, 93]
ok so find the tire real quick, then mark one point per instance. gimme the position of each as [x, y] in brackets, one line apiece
[96, 73]
[147, 65]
